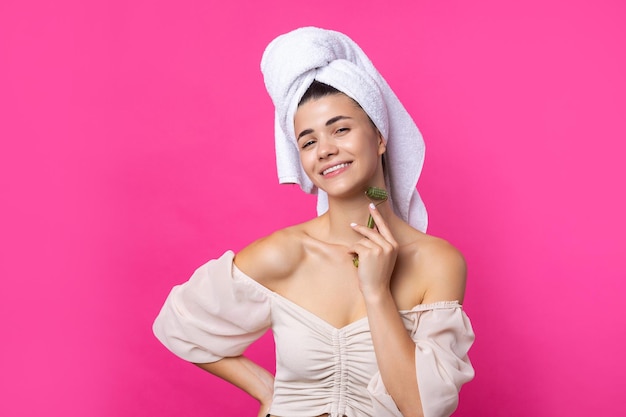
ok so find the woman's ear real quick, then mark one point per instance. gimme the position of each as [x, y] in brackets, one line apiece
[382, 145]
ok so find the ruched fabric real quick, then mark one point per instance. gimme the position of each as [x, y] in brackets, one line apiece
[319, 368]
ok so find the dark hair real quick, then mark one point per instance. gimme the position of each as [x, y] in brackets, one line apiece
[317, 90]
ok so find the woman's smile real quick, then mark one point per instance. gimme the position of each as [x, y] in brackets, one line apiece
[335, 169]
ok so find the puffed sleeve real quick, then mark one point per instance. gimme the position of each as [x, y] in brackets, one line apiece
[214, 314]
[443, 335]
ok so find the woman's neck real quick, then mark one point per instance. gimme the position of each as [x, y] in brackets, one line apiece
[342, 212]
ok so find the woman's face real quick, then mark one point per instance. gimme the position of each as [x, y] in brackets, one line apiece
[339, 146]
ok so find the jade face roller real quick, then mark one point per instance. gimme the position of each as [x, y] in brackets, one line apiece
[377, 196]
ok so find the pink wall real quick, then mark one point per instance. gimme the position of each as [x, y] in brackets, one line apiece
[137, 143]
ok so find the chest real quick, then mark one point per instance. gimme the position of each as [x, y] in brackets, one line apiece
[327, 285]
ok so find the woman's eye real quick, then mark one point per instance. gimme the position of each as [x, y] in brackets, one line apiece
[342, 130]
[307, 144]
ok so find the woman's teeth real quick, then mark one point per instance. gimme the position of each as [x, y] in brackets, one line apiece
[335, 168]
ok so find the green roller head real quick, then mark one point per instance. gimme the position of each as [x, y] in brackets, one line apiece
[376, 193]
[380, 195]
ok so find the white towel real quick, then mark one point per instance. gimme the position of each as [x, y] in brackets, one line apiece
[292, 61]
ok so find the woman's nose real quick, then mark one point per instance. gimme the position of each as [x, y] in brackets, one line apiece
[326, 147]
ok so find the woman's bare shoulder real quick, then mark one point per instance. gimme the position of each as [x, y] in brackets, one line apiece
[441, 266]
[273, 257]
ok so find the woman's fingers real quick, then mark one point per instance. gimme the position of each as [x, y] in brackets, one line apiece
[372, 237]
[381, 234]
[381, 224]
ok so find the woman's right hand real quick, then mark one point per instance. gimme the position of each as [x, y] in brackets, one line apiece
[247, 375]
[264, 410]
[268, 383]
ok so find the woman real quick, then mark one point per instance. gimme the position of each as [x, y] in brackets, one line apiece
[367, 321]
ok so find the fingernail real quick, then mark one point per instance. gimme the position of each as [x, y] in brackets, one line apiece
[372, 206]
[353, 224]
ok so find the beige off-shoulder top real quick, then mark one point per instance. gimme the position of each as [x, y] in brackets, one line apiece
[320, 369]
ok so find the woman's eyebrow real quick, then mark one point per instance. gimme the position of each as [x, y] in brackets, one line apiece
[305, 132]
[328, 123]
[336, 119]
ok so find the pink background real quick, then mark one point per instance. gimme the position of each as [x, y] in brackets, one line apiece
[137, 143]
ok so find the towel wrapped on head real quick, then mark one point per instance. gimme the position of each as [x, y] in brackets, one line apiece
[292, 61]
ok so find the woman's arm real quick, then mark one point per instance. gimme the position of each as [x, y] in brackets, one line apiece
[393, 346]
[211, 319]
[265, 261]
[247, 375]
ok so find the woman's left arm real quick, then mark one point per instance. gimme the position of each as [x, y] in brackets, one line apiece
[393, 346]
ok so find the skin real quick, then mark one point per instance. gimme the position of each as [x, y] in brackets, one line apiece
[399, 267]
